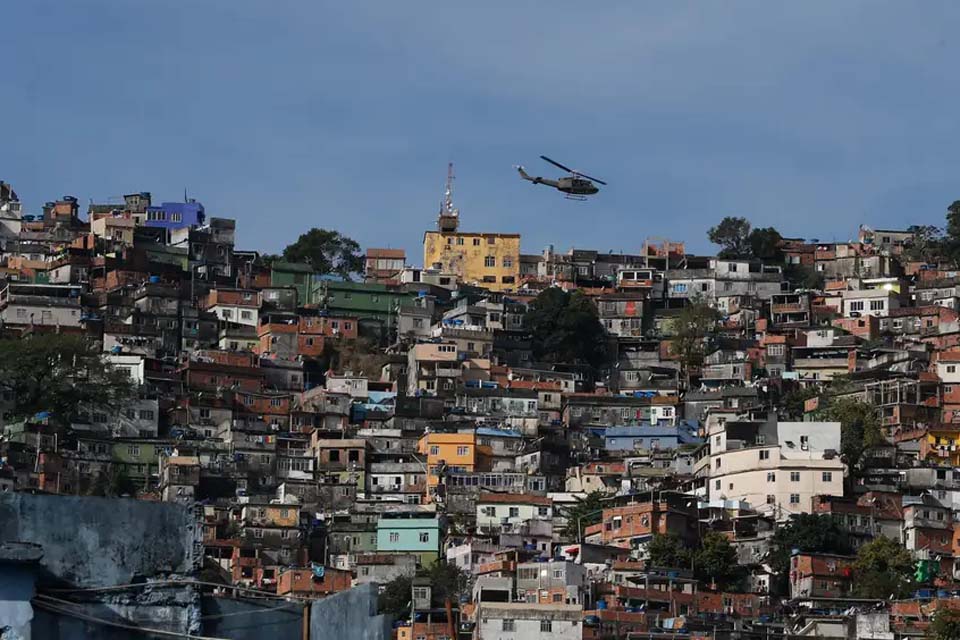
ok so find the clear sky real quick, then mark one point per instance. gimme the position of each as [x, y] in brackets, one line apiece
[810, 116]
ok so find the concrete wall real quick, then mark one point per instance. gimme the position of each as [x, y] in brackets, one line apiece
[16, 590]
[252, 620]
[349, 614]
[97, 542]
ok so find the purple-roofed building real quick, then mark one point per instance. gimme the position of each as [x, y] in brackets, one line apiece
[176, 215]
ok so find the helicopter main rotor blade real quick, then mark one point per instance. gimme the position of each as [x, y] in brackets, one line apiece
[557, 164]
[583, 175]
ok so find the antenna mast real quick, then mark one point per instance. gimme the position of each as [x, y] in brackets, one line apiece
[449, 218]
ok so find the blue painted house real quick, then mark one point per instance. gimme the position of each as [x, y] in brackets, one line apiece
[176, 215]
[648, 438]
[414, 535]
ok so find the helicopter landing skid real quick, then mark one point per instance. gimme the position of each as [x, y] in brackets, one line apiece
[578, 198]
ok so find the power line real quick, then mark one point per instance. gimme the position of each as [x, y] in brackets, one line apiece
[49, 606]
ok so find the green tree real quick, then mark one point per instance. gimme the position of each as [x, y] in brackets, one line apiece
[945, 625]
[803, 532]
[765, 244]
[447, 581]
[565, 328]
[793, 402]
[804, 277]
[667, 550]
[716, 561]
[694, 331]
[587, 511]
[859, 428]
[327, 251]
[925, 245]
[59, 374]
[883, 570]
[395, 598]
[733, 237]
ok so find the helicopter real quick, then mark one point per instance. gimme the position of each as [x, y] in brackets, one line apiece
[576, 186]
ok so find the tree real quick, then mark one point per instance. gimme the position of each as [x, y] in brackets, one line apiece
[447, 581]
[945, 625]
[694, 330]
[804, 277]
[926, 245]
[883, 570]
[566, 328]
[716, 561]
[859, 428]
[666, 550]
[59, 374]
[794, 402]
[327, 251]
[587, 511]
[395, 599]
[765, 244]
[803, 532]
[733, 236]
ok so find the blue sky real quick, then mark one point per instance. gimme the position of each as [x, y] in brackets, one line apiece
[809, 116]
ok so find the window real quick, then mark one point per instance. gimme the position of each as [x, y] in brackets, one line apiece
[491, 240]
[514, 512]
[507, 262]
[716, 485]
[476, 242]
[275, 402]
[246, 315]
[258, 533]
[856, 305]
[459, 241]
[679, 288]
[546, 626]
[877, 305]
[951, 368]
[507, 279]
[434, 450]
[771, 477]
[732, 267]
[334, 455]
[490, 261]
[133, 450]
[765, 454]
[394, 536]
[794, 476]
[771, 499]
[508, 625]
[716, 463]
[827, 476]
[425, 536]
[775, 350]
[543, 511]
[794, 498]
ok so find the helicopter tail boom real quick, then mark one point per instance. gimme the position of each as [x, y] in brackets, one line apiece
[535, 180]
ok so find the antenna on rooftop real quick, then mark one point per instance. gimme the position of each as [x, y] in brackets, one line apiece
[449, 218]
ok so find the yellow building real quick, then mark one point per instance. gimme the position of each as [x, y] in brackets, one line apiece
[489, 260]
[458, 451]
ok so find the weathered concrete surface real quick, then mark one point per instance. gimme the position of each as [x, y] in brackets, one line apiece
[252, 620]
[95, 542]
[18, 574]
[16, 590]
[349, 615]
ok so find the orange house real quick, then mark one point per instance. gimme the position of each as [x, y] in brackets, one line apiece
[304, 583]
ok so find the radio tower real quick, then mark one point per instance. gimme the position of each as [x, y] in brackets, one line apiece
[449, 218]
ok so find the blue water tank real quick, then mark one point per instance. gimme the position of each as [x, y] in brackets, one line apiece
[602, 605]
[154, 279]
